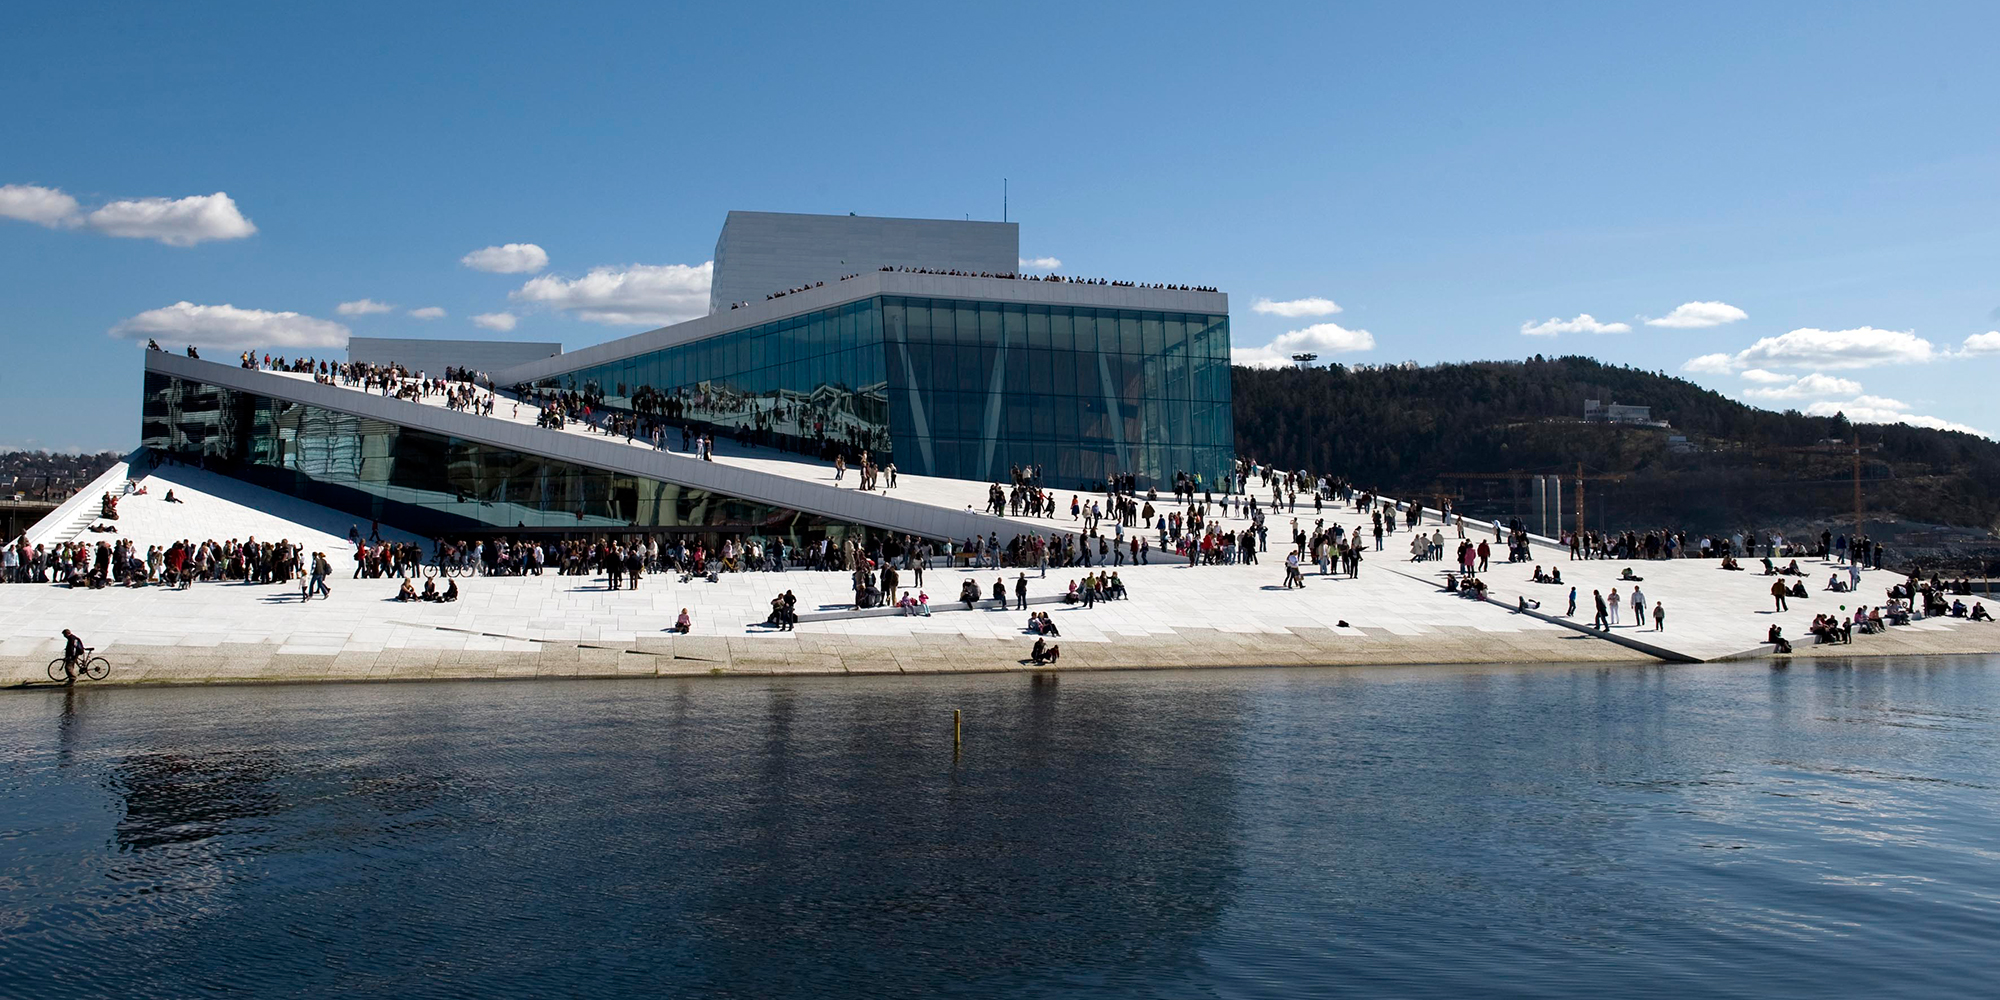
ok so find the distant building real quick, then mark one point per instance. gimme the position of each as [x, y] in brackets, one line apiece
[1599, 413]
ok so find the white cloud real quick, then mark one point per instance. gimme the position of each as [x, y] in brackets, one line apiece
[428, 312]
[514, 258]
[1311, 305]
[1982, 343]
[1040, 263]
[1814, 386]
[39, 205]
[180, 222]
[228, 326]
[362, 307]
[1320, 338]
[501, 321]
[1862, 347]
[1583, 323]
[1695, 315]
[1758, 374]
[1882, 410]
[638, 295]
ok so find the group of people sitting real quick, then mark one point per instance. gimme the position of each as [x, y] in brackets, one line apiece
[1553, 575]
[1102, 587]
[1831, 629]
[1472, 589]
[430, 592]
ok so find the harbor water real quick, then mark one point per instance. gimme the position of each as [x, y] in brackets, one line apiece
[1726, 830]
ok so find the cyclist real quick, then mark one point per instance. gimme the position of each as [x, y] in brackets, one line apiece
[73, 651]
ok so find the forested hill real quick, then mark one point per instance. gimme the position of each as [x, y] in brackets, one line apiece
[1427, 430]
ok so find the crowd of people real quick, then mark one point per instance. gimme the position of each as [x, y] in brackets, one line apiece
[1666, 543]
[1019, 276]
[1005, 275]
[82, 563]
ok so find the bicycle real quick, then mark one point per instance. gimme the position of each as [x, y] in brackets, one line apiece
[93, 667]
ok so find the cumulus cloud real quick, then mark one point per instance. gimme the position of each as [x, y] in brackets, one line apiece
[1040, 263]
[1982, 343]
[39, 205]
[180, 222]
[362, 307]
[1862, 347]
[1882, 410]
[1311, 305]
[1760, 375]
[227, 326]
[1583, 323]
[428, 312]
[637, 295]
[513, 258]
[1814, 386]
[501, 321]
[1695, 315]
[1320, 338]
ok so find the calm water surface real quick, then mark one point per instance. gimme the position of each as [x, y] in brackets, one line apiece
[1541, 831]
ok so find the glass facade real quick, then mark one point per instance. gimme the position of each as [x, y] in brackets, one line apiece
[800, 383]
[431, 483]
[965, 389]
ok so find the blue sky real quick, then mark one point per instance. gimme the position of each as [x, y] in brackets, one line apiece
[1447, 175]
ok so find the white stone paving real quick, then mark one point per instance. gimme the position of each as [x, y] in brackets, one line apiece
[1711, 612]
[517, 612]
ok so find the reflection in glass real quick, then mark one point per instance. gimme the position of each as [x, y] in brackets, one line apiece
[1084, 393]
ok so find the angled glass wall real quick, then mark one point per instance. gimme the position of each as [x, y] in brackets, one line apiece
[959, 388]
[430, 483]
[807, 383]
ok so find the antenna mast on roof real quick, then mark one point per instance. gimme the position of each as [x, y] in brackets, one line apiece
[1003, 199]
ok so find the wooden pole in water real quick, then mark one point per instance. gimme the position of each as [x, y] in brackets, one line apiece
[957, 729]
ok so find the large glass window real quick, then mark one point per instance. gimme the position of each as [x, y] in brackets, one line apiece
[1128, 391]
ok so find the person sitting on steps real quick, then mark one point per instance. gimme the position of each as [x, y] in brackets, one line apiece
[1776, 637]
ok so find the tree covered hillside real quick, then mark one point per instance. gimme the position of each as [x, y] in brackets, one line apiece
[1431, 430]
